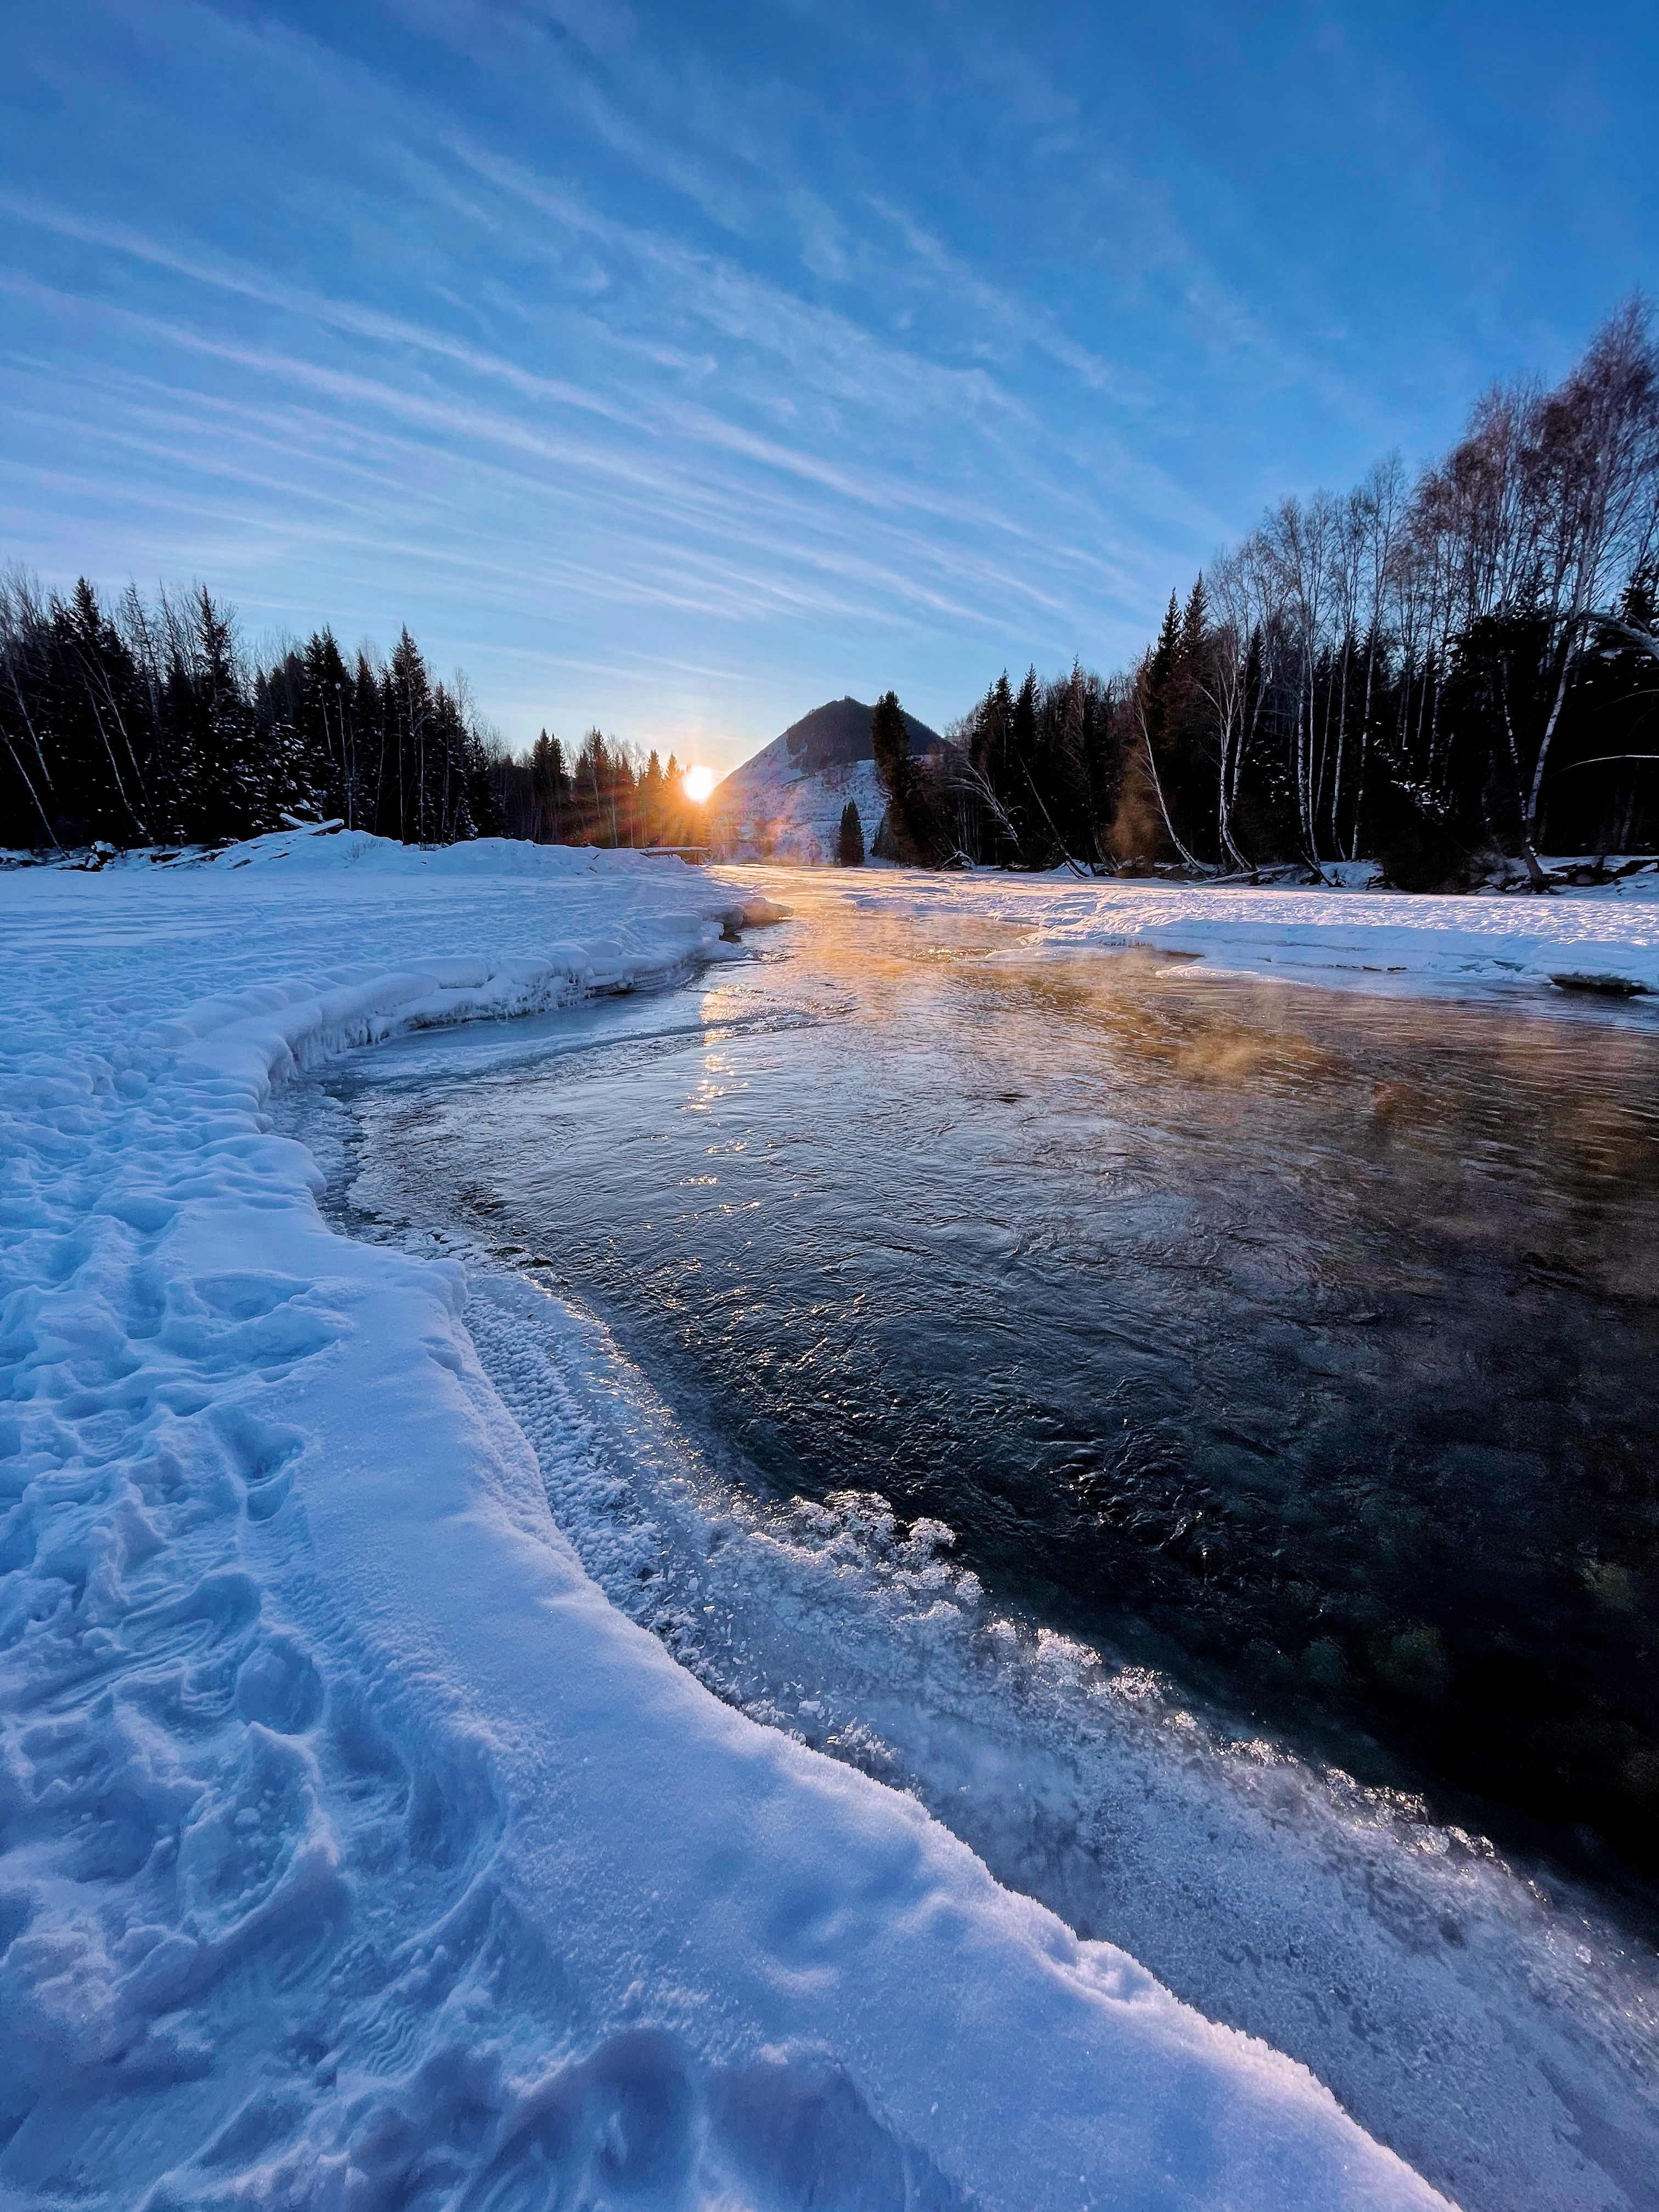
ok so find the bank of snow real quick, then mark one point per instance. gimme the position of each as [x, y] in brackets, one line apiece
[1553, 950]
[356, 1851]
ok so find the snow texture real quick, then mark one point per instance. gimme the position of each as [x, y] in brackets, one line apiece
[356, 1851]
[1502, 2037]
[785, 803]
[1554, 950]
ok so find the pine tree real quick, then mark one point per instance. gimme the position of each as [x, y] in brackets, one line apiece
[850, 848]
[649, 801]
[1195, 625]
[1166, 654]
[907, 823]
[330, 768]
[223, 792]
[100, 671]
[1036, 847]
[550, 790]
[409, 710]
[990, 750]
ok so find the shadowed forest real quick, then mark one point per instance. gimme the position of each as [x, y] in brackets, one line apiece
[1425, 672]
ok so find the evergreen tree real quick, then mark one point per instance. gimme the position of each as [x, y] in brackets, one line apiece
[1435, 672]
[651, 801]
[210, 715]
[149, 726]
[992, 758]
[1035, 845]
[406, 703]
[550, 788]
[327, 732]
[908, 825]
[99, 677]
[850, 847]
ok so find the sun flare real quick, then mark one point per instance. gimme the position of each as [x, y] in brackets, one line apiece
[699, 783]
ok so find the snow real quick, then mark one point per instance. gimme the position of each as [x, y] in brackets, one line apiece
[1493, 2025]
[765, 811]
[1350, 938]
[785, 802]
[1501, 2038]
[357, 1850]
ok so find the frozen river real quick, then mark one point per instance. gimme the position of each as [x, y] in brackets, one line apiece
[1281, 1363]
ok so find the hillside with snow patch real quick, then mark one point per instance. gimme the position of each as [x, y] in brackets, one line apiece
[785, 802]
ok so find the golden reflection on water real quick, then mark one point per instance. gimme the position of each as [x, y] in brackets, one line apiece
[1496, 1127]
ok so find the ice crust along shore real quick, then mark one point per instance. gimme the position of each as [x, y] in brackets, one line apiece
[356, 1851]
[1502, 2037]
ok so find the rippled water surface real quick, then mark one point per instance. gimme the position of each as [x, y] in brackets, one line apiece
[1299, 1345]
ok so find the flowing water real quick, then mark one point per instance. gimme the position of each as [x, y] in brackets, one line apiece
[1286, 1358]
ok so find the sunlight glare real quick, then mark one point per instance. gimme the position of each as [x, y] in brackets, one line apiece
[699, 783]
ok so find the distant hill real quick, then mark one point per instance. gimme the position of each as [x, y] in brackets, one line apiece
[785, 802]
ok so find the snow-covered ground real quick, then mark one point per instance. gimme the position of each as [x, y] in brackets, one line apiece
[1506, 946]
[356, 1850]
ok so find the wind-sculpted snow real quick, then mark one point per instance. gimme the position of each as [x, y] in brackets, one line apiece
[355, 1851]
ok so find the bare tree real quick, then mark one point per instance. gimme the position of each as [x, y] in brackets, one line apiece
[1594, 460]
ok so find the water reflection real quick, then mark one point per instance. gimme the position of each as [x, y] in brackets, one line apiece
[1301, 1345]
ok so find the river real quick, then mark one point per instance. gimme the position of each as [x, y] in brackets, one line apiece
[1131, 1406]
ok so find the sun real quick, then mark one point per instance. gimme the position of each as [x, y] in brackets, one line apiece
[699, 783]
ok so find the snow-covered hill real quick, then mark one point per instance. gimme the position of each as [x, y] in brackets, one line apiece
[786, 803]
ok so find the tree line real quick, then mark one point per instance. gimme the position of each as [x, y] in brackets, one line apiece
[605, 795]
[1426, 670]
[146, 723]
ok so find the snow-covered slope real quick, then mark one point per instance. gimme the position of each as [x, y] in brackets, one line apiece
[785, 803]
[356, 1852]
[796, 818]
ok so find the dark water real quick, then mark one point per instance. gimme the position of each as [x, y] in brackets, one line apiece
[1300, 1345]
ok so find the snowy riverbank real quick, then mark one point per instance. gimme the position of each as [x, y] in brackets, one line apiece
[1510, 946]
[356, 1850]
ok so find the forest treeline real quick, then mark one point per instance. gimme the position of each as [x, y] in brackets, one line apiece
[1428, 671]
[603, 795]
[145, 723]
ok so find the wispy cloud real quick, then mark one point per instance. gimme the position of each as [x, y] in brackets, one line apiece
[309, 306]
[680, 363]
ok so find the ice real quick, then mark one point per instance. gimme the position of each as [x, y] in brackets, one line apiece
[357, 1850]
[1500, 2036]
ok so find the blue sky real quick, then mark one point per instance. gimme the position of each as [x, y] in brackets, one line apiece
[675, 369]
